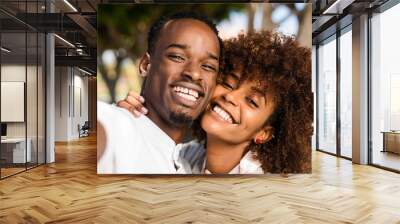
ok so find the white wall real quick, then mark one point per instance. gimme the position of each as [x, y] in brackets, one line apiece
[71, 102]
[33, 126]
[16, 73]
[62, 81]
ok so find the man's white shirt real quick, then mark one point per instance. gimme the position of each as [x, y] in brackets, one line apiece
[135, 145]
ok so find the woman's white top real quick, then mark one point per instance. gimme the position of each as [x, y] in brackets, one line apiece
[193, 158]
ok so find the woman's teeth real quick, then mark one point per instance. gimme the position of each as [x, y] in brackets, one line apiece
[223, 114]
[186, 93]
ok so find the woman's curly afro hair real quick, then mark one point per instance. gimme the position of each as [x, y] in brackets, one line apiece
[279, 62]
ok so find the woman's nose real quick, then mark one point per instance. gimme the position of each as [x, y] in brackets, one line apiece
[231, 97]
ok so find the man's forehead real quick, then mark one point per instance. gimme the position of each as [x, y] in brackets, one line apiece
[184, 23]
[173, 29]
[183, 33]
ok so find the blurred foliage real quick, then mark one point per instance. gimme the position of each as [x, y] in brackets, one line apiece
[126, 26]
[124, 29]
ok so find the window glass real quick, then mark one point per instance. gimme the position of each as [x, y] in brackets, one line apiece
[327, 96]
[345, 94]
[385, 89]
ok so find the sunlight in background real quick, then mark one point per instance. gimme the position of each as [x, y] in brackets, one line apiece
[122, 73]
[290, 26]
[237, 21]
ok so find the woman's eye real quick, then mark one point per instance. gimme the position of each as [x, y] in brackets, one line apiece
[252, 102]
[227, 85]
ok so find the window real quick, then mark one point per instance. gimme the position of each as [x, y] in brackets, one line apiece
[346, 93]
[327, 95]
[22, 75]
[314, 90]
[385, 89]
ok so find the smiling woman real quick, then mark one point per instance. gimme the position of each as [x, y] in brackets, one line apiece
[260, 116]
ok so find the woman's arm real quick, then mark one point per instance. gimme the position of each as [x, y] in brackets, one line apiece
[133, 102]
[101, 140]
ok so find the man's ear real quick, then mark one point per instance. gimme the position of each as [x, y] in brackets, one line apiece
[144, 65]
[264, 135]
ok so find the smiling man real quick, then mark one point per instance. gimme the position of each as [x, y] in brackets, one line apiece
[181, 66]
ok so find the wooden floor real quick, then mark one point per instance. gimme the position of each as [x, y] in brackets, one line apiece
[10, 171]
[5, 172]
[69, 191]
[387, 159]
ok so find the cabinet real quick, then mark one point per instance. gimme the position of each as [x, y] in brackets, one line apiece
[391, 141]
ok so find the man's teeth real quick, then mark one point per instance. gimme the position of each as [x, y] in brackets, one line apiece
[223, 114]
[186, 93]
[188, 97]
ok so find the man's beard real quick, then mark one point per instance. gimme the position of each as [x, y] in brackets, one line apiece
[179, 119]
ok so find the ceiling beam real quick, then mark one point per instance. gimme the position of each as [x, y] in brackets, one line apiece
[81, 61]
[84, 24]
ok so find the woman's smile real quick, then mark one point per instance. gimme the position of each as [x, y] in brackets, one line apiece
[223, 113]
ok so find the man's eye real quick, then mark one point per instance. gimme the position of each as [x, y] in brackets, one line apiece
[210, 68]
[252, 102]
[176, 58]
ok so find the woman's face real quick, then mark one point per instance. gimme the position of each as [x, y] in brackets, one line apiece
[237, 113]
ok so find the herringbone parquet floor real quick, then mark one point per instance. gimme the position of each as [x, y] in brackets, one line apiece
[69, 191]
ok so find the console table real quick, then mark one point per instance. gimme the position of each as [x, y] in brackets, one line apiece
[391, 141]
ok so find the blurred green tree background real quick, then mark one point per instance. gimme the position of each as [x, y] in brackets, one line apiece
[122, 34]
[124, 28]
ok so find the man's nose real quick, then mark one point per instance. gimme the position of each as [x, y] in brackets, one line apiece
[192, 71]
